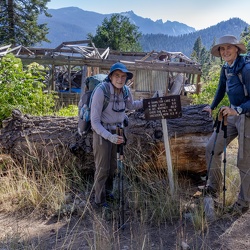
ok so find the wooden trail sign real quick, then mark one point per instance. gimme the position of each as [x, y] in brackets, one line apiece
[164, 107]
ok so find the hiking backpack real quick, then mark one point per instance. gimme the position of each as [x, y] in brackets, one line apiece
[247, 60]
[84, 105]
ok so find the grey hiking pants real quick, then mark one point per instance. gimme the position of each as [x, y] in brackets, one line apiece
[105, 166]
[237, 126]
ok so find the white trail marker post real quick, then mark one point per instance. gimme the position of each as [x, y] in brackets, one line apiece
[163, 107]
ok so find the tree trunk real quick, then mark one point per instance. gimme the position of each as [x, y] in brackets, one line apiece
[54, 140]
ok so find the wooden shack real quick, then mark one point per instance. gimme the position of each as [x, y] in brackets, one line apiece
[71, 63]
[68, 66]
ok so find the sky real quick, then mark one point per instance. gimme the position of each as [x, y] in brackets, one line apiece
[199, 14]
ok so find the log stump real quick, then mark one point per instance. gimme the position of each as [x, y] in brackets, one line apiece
[55, 139]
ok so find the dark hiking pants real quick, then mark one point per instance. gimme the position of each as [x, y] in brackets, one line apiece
[105, 167]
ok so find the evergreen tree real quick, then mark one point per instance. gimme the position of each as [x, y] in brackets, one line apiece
[204, 56]
[197, 49]
[212, 58]
[194, 56]
[245, 38]
[18, 22]
[117, 33]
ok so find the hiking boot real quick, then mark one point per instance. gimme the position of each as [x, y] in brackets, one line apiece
[208, 190]
[237, 209]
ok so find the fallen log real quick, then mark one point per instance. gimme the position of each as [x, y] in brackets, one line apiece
[54, 140]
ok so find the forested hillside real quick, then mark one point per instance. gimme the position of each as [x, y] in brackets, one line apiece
[72, 23]
[185, 43]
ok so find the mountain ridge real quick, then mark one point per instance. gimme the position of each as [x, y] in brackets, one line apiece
[184, 43]
[65, 21]
[73, 23]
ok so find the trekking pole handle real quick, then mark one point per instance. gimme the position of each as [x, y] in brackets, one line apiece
[219, 119]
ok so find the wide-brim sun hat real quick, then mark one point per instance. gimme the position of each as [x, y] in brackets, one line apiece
[228, 39]
[121, 67]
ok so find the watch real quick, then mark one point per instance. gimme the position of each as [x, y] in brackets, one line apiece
[238, 110]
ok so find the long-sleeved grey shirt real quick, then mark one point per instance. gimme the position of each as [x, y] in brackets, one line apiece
[100, 117]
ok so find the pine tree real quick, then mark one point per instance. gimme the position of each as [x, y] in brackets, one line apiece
[245, 38]
[117, 33]
[18, 22]
[198, 48]
[212, 58]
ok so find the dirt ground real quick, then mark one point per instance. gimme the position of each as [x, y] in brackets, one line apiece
[85, 228]
[77, 232]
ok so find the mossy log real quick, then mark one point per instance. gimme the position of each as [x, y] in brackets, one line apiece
[54, 140]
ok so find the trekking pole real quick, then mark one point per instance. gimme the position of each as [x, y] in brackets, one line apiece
[121, 178]
[118, 147]
[217, 125]
[224, 128]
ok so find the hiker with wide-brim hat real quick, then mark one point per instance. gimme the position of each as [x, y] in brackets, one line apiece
[104, 124]
[228, 40]
[235, 82]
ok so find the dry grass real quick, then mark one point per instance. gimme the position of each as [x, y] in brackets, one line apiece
[44, 187]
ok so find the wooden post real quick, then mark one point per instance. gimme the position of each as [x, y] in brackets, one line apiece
[198, 86]
[53, 84]
[69, 75]
[167, 149]
[84, 76]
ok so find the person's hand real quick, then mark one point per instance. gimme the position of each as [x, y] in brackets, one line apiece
[207, 109]
[116, 139]
[227, 111]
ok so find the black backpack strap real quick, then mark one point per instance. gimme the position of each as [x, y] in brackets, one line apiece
[227, 75]
[241, 80]
[106, 91]
[244, 85]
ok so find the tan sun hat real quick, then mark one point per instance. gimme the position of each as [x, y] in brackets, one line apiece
[228, 39]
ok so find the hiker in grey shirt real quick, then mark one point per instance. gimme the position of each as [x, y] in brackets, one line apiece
[104, 123]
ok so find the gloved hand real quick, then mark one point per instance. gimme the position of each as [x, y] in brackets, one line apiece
[116, 139]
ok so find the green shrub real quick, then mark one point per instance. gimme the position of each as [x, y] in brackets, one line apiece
[23, 88]
[208, 89]
[71, 110]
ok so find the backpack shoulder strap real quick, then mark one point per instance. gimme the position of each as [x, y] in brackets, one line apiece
[227, 75]
[105, 88]
[246, 60]
[241, 80]
[125, 91]
[106, 91]
[244, 85]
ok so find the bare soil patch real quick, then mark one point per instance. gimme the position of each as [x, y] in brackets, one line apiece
[86, 228]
